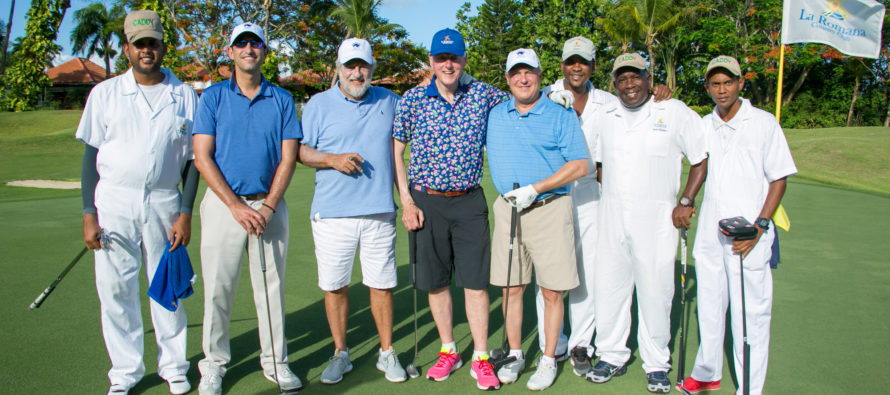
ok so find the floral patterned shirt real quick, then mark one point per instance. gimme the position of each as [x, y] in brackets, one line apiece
[446, 140]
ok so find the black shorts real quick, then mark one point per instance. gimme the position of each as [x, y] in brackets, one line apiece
[454, 240]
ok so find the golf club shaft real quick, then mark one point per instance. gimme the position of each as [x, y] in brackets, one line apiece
[412, 370]
[513, 219]
[262, 252]
[746, 349]
[40, 298]
[681, 333]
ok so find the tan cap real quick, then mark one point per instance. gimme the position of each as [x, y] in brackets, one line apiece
[724, 62]
[629, 60]
[580, 46]
[141, 24]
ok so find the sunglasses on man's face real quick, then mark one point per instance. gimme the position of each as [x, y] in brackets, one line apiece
[244, 43]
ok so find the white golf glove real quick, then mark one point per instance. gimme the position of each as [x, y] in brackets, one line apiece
[465, 79]
[563, 98]
[521, 198]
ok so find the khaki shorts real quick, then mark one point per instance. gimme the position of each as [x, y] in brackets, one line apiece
[545, 240]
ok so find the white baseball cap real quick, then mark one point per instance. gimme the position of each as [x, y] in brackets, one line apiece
[523, 56]
[355, 48]
[247, 27]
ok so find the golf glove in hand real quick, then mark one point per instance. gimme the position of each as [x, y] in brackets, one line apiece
[522, 197]
[465, 79]
[563, 98]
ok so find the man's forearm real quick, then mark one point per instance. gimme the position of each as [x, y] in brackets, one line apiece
[697, 175]
[284, 172]
[569, 172]
[204, 147]
[313, 158]
[401, 178]
[773, 198]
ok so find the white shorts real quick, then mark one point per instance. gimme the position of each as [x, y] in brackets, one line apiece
[336, 240]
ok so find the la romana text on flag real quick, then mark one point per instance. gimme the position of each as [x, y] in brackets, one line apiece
[851, 26]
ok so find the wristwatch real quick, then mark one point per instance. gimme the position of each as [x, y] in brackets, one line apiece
[687, 202]
[762, 223]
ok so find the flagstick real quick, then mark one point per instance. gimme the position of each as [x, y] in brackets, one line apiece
[779, 93]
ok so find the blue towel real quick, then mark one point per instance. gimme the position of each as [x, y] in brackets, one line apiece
[173, 278]
[774, 259]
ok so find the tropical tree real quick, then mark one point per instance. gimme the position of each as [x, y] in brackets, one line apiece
[6, 36]
[620, 25]
[654, 17]
[492, 33]
[95, 27]
[361, 20]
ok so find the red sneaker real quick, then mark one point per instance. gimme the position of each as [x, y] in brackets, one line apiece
[693, 386]
[447, 363]
[483, 372]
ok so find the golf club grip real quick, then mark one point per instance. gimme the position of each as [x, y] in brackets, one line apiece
[52, 286]
[513, 213]
[746, 359]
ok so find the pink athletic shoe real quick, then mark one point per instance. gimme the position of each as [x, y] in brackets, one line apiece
[447, 363]
[693, 386]
[483, 372]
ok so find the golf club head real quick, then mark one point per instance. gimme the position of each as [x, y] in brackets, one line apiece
[413, 371]
[503, 359]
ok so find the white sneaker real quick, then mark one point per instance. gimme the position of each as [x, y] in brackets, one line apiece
[179, 385]
[388, 363]
[211, 384]
[286, 378]
[509, 373]
[543, 377]
[117, 389]
[338, 366]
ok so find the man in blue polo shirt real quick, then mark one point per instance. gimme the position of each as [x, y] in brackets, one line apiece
[348, 138]
[539, 145]
[443, 206]
[246, 138]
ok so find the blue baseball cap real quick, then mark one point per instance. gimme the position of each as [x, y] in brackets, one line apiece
[448, 41]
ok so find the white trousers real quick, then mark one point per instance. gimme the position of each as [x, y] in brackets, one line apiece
[223, 242]
[133, 241]
[719, 286]
[637, 247]
[582, 320]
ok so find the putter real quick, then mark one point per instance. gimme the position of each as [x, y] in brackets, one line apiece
[262, 251]
[499, 356]
[681, 335]
[746, 348]
[52, 286]
[412, 369]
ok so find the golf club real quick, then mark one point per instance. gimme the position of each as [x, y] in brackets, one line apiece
[681, 338]
[262, 250]
[499, 356]
[52, 286]
[746, 348]
[412, 370]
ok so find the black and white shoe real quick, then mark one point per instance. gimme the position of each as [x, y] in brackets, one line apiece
[580, 361]
[658, 382]
[604, 371]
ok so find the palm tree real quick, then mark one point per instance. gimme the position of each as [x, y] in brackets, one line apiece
[621, 26]
[95, 26]
[361, 20]
[654, 17]
[6, 37]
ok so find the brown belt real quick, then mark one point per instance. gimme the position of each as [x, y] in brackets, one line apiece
[428, 191]
[255, 196]
[548, 199]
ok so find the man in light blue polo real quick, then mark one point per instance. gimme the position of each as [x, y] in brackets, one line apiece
[348, 138]
[539, 145]
[246, 138]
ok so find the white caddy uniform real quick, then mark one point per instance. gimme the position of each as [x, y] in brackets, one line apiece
[641, 166]
[746, 154]
[142, 154]
[585, 194]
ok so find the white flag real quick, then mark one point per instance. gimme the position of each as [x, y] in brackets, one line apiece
[851, 26]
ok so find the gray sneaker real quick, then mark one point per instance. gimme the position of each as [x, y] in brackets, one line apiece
[509, 373]
[287, 380]
[388, 363]
[338, 366]
[211, 384]
[543, 377]
[580, 361]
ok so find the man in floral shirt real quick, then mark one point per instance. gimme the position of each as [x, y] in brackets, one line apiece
[443, 205]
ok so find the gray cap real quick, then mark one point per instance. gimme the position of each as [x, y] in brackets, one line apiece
[141, 24]
[580, 46]
[629, 60]
[724, 62]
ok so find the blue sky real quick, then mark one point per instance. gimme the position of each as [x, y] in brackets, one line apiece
[421, 18]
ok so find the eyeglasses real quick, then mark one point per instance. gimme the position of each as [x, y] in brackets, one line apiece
[244, 43]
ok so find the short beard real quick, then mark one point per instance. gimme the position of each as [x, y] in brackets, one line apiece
[355, 91]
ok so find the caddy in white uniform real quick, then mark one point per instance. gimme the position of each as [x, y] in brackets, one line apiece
[641, 147]
[749, 161]
[143, 136]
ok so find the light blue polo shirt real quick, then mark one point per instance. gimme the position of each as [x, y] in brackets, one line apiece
[336, 124]
[248, 132]
[527, 148]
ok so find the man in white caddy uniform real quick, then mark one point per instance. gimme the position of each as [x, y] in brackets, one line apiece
[749, 162]
[137, 131]
[641, 145]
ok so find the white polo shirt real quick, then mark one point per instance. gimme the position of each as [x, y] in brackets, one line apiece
[642, 160]
[142, 151]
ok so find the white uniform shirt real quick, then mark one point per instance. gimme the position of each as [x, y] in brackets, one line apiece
[643, 161]
[142, 152]
[746, 154]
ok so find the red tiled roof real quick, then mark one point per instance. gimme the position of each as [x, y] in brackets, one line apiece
[196, 72]
[77, 71]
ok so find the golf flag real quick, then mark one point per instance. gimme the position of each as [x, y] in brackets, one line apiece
[780, 218]
[851, 26]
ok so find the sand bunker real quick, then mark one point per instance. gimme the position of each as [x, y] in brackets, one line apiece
[52, 184]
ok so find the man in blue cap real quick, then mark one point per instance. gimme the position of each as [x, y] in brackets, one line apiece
[444, 208]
